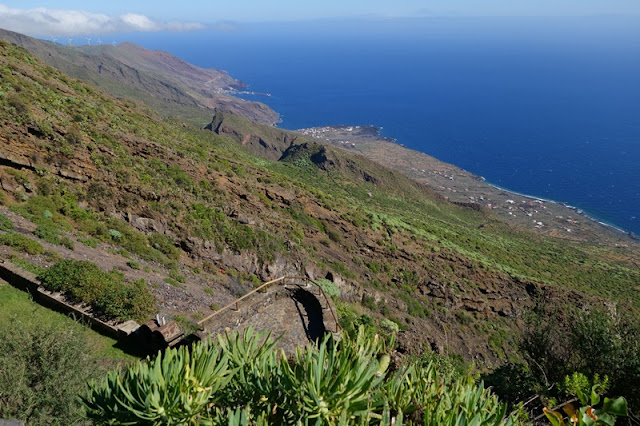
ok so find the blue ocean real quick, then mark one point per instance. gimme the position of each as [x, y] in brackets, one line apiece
[546, 107]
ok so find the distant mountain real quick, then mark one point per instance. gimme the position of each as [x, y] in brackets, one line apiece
[161, 80]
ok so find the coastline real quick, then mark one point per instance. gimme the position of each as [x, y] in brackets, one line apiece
[528, 212]
[578, 210]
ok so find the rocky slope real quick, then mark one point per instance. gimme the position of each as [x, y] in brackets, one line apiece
[158, 78]
[214, 218]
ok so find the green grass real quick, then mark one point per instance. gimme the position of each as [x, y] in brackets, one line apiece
[17, 305]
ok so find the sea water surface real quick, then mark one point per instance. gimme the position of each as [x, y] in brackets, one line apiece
[548, 108]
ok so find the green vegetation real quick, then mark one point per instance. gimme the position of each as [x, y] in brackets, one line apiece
[589, 414]
[52, 235]
[563, 359]
[157, 190]
[329, 288]
[212, 223]
[107, 292]
[45, 360]
[42, 369]
[333, 383]
[5, 223]
[173, 273]
[21, 243]
[173, 282]
[27, 265]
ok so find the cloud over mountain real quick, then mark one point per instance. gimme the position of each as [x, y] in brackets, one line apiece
[46, 22]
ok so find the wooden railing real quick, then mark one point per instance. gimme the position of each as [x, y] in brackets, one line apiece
[282, 280]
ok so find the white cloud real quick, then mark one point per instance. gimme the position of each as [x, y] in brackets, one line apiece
[46, 22]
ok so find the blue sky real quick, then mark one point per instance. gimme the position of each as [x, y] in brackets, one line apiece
[257, 10]
[66, 17]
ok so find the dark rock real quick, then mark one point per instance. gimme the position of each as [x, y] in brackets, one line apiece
[190, 245]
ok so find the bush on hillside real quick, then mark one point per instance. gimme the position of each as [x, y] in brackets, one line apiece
[43, 368]
[329, 287]
[5, 223]
[51, 234]
[106, 292]
[126, 300]
[21, 243]
[598, 345]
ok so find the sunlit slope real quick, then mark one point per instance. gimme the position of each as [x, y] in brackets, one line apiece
[213, 209]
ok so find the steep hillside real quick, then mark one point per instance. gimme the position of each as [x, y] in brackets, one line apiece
[198, 208]
[157, 78]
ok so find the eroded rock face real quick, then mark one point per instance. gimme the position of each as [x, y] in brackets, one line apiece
[146, 224]
[22, 153]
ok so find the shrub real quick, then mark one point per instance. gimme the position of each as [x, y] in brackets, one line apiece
[176, 276]
[591, 412]
[21, 243]
[43, 210]
[43, 368]
[123, 301]
[172, 282]
[48, 233]
[164, 244]
[329, 287]
[389, 325]
[133, 264]
[107, 292]
[89, 242]
[82, 280]
[463, 317]
[593, 343]
[20, 109]
[51, 234]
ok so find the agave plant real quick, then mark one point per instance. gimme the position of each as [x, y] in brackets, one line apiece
[465, 403]
[441, 400]
[241, 417]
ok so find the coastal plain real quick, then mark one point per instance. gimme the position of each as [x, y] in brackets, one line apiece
[459, 186]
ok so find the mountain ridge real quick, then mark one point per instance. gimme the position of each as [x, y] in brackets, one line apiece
[158, 78]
